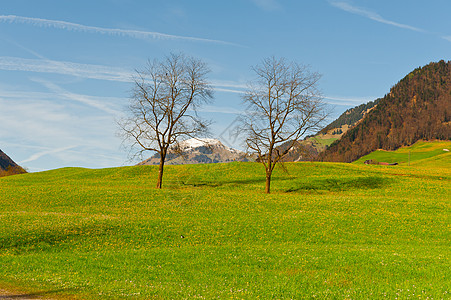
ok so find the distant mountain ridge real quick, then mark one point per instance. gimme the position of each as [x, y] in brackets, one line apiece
[350, 117]
[8, 166]
[6, 162]
[418, 107]
[199, 151]
[310, 147]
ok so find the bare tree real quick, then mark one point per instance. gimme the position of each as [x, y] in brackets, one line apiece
[163, 105]
[284, 104]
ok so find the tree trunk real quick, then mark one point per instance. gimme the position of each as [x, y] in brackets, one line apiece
[269, 167]
[268, 183]
[160, 171]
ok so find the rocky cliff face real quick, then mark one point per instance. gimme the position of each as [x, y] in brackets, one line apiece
[199, 151]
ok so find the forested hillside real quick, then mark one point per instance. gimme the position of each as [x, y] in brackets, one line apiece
[351, 116]
[417, 108]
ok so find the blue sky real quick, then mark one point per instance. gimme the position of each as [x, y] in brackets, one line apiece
[65, 66]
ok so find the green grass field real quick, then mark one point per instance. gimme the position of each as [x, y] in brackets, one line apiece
[418, 153]
[320, 143]
[324, 142]
[328, 230]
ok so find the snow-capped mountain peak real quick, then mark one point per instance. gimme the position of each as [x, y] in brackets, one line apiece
[199, 150]
[198, 142]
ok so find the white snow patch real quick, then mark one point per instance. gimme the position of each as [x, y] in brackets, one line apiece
[195, 142]
[199, 142]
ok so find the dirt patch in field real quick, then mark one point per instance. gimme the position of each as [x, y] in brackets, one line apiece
[17, 293]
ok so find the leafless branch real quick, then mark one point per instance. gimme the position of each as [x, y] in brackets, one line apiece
[284, 105]
[164, 103]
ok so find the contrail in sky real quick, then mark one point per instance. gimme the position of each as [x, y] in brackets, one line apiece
[64, 67]
[371, 15]
[87, 100]
[345, 6]
[109, 31]
[35, 156]
[90, 71]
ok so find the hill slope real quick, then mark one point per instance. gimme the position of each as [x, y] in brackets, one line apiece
[417, 108]
[416, 154]
[309, 148]
[8, 166]
[349, 118]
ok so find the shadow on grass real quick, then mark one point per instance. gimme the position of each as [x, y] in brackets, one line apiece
[34, 295]
[225, 182]
[341, 184]
[324, 184]
[42, 240]
[233, 182]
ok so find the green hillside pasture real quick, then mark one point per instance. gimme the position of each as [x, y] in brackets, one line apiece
[324, 141]
[328, 230]
[418, 151]
[320, 143]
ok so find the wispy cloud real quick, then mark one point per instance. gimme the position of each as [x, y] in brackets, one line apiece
[220, 109]
[346, 6]
[45, 125]
[38, 155]
[18, 94]
[348, 101]
[137, 34]
[84, 99]
[218, 89]
[228, 86]
[66, 68]
[46, 65]
[90, 71]
[371, 15]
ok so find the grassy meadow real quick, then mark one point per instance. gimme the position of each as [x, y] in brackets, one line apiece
[418, 152]
[328, 230]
